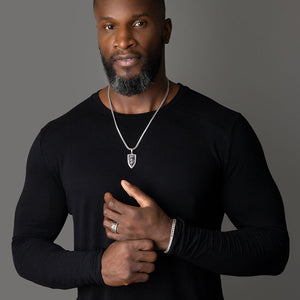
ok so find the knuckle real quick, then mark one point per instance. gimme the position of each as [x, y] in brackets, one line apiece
[141, 267]
[131, 268]
[125, 264]
[127, 224]
[122, 237]
[129, 244]
[133, 244]
[149, 244]
[154, 256]
[139, 217]
[126, 256]
[136, 266]
[126, 244]
[127, 275]
[133, 214]
[111, 203]
[118, 237]
[127, 253]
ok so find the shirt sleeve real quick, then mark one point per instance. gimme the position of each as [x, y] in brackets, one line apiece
[253, 203]
[39, 217]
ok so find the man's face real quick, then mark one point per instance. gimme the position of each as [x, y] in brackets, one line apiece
[130, 40]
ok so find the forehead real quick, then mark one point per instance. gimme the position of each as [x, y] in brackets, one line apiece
[119, 9]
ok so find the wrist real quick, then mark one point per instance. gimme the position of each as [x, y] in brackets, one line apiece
[165, 235]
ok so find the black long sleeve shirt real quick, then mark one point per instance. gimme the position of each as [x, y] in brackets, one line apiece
[198, 160]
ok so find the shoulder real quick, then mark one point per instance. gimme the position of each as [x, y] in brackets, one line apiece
[57, 135]
[209, 112]
[226, 129]
[58, 130]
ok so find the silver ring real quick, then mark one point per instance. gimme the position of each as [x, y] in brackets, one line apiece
[114, 227]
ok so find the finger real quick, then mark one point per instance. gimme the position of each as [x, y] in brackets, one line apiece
[144, 267]
[113, 236]
[143, 244]
[146, 256]
[107, 223]
[105, 206]
[133, 191]
[140, 277]
[116, 205]
[108, 213]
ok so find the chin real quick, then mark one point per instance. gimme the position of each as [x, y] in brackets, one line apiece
[128, 75]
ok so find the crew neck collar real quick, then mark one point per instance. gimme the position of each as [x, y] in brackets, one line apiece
[106, 111]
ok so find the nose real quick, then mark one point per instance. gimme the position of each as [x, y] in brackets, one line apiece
[124, 39]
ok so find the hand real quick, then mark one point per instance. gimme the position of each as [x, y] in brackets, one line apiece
[145, 222]
[125, 262]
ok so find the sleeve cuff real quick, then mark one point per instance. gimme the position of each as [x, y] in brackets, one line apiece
[99, 279]
[178, 237]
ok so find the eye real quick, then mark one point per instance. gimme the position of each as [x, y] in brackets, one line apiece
[139, 23]
[108, 26]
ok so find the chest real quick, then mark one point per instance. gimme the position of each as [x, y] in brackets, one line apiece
[178, 168]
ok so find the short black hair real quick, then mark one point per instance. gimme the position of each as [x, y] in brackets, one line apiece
[160, 2]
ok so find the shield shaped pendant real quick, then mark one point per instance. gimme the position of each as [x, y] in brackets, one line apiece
[131, 160]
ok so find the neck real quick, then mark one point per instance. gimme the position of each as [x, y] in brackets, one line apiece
[147, 101]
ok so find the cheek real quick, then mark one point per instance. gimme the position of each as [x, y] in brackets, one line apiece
[104, 43]
[152, 44]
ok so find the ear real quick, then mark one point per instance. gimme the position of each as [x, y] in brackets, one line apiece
[167, 29]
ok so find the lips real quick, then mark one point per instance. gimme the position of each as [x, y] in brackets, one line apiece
[126, 60]
[123, 57]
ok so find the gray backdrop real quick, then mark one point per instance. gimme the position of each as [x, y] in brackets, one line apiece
[243, 54]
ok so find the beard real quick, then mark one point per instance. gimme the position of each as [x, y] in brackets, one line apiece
[137, 84]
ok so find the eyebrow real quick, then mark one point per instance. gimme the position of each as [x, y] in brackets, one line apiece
[133, 16]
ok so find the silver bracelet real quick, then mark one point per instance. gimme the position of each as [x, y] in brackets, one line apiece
[172, 235]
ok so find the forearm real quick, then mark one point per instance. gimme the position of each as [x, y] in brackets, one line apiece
[242, 252]
[39, 217]
[48, 264]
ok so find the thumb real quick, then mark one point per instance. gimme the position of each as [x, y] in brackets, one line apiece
[133, 191]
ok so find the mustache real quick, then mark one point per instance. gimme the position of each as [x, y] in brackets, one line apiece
[114, 56]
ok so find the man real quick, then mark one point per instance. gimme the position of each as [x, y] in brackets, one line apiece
[188, 160]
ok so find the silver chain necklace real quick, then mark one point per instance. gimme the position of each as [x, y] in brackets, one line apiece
[131, 157]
